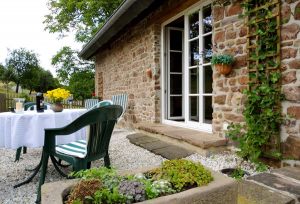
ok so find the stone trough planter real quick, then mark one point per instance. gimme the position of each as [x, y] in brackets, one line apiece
[223, 190]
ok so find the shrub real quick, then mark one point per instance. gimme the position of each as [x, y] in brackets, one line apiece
[183, 174]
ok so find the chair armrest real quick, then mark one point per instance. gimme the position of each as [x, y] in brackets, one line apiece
[51, 133]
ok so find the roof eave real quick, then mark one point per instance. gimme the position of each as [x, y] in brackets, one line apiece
[128, 11]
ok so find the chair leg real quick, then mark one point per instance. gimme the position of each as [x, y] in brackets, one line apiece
[106, 161]
[18, 154]
[24, 150]
[45, 157]
[88, 165]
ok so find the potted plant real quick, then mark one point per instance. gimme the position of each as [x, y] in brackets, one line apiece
[57, 96]
[222, 63]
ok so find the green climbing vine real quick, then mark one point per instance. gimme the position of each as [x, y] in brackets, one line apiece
[260, 135]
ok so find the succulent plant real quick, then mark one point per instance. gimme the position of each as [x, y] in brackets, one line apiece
[132, 189]
[163, 187]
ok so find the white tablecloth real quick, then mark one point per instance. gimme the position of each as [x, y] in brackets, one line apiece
[27, 129]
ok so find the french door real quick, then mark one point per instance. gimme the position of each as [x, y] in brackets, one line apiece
[188, 69]
[175, 73]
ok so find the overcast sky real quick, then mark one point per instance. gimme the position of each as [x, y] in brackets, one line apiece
[21, 26]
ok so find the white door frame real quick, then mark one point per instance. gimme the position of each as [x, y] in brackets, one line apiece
[187, 124]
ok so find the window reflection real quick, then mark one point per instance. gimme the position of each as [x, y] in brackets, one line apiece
[194, 80]
[207, 51]
[194, 111]
[207, 19]
[194, 53]
[194, 25]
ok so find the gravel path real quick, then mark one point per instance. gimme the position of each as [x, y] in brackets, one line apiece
[123, 155]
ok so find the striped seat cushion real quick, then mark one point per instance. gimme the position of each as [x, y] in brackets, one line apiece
[77, 148]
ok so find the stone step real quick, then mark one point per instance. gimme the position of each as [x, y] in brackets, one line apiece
[159, 147]
[281, 186]
[253, 193]
[201, 142]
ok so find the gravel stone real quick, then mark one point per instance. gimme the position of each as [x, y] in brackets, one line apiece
[123, 156]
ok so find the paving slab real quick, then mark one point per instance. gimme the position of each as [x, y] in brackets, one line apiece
[159, 147]
[154, 145]
[278, 183]
[172, 152]
[288, 171]
[139, 138]
[252, 193]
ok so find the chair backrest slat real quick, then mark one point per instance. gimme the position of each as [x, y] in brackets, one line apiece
[121, 100]
[89, 103]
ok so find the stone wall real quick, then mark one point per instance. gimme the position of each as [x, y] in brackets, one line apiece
[124, 62]
[229, 37]
[290, 56]
[123, 65]
[123, 68]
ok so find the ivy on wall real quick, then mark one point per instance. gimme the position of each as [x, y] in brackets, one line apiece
[260, 135]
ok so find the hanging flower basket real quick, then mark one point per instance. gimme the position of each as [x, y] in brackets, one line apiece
[223, 63]
[223, 68]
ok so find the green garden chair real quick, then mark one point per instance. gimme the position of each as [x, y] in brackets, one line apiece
[101, 122]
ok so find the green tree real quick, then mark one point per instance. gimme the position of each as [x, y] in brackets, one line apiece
[46, 82]
[2, 69]
[82, 84]
[67, 62]
[39, 80]
[84, 17]
[21, 61]
[7, 75]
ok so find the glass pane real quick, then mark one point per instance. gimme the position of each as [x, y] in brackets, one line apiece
[176, 83]
[176, 40]
[207, 52]
[207, 19]
[175, 62]
[208, 79]
[194, 80]
[175, 106]
[208, 111]
[194, 25]
[194, 112]
[194, 53]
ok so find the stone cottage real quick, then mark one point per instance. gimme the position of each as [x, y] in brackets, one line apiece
[158, 52]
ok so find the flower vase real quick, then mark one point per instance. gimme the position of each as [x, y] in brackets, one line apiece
[57, 107]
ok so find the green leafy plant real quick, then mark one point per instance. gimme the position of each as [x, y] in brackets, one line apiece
[222, 59]
[260, 134]
[238, 173]
[183, 174]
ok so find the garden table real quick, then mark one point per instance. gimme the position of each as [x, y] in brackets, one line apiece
[27, 129]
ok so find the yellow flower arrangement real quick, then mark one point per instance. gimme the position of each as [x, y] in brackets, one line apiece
[57, 95]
